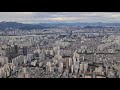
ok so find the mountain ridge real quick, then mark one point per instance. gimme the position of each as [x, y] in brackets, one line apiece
[4, 25]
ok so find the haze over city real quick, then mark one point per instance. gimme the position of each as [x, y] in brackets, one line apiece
[59, 45]
[68, 17]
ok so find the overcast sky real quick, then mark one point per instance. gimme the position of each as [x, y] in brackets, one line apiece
[45, 17]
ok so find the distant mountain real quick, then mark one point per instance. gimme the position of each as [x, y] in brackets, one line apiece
[5, 25]
[94, 27]
[15, 25]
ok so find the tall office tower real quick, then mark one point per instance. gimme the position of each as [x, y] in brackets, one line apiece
[53, 69]
[16, 49]
[94, 57]
[7, 69]
[60, 68]
[25, 50]
[93, 75]
[54, 49]
[78, 57]
[72, 68]
[58, 51]
[74, 60]
[70, 62]
[51, 52]
[12, 68]
[15, 62]
[67, 64]
[83, 58]
[2, 73]
[78, 62]
[67, 72]
[85, 67]
[46, 52]
[48, 66]
[3, 61]
[8, 52]
[29, 57]
[24, 70]
[61, 65]
[74, 54]
[90, 70]
[25, 59]
[11, 52]
[41, 55]
[64, 74]
[81, 67]
[106, 69]
[76, 67]
[69, 34]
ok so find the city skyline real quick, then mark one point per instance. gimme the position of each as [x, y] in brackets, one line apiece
[75, 50]
[60, 17]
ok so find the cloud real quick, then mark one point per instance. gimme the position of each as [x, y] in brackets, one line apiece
[64, 19]
[39, 17]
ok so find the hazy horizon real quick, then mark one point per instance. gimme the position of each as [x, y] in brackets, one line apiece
[60, 17]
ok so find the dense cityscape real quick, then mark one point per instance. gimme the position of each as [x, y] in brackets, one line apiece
[60, 53]
[59, 45]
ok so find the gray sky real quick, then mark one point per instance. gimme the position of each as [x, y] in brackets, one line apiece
[44, 17]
